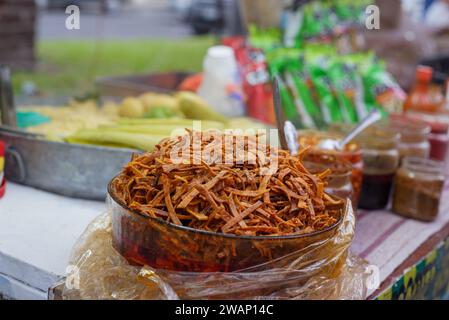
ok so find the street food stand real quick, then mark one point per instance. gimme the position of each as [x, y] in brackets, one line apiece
[368, 219]
[412, 256]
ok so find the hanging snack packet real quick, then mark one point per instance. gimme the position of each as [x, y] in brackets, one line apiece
[289, 105]
[328, 102]
[382, 90]
[266, 39]
[298, 79]
[329, 16]
[312, 20]
[276, 67]
[345, 90]
[293, 23]
[343, 11]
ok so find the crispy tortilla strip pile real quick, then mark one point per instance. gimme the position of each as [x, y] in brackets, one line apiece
[234, 198]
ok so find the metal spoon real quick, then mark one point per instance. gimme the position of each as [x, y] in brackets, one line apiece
[288, 134]
[331, 144]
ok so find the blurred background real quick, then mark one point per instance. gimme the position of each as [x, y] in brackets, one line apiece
[135, 36]
[116, 37]
[138, 71]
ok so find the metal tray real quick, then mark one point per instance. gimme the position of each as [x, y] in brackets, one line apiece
[71, 170]
[74, 170]
[133, 85]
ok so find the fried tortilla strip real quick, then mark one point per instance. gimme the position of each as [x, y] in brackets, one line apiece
[197, 215]
[242, 216]
[234, 211]
[194, 192]
[171, 211]
[247, 193]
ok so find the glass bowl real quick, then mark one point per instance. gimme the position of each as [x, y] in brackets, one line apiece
[145, 240]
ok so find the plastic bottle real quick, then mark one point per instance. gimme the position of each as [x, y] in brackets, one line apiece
[221, 86]
[424, 97]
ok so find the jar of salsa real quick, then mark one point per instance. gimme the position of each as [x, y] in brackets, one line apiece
[381, 159]
[352, 153]
[438, 136]
[339, 181]
[418, 188]
[414, 141]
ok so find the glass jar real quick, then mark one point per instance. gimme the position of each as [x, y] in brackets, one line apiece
[418, 188]
[381, 159]
[438, 137]
[414, 141]
[340, 128]
[351, 153]
[339, 181]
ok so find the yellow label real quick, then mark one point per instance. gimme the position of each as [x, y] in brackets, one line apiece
[2, 164]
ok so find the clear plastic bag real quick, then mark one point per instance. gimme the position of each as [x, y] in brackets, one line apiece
[320, 270]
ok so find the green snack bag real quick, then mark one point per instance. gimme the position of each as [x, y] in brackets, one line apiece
[317, 57]
[288, 105]
[312, 23]
[345, 91]
[264, 39]
[381, 90]
[329, 17]
[276, 67]
[297, 79]
[294, 20]
[330, 109]
[343, 10]
[305, 118]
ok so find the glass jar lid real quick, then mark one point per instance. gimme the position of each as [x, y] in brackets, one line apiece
[423, 166]
[310, 137]
[439, 122]
[410, 129]
[380, 138]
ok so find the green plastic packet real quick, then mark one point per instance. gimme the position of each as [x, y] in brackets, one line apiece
[297, 78]
[343, 11]
[289, 106]
[312, 23]
[329, 17]
[293, 23]
[328, 102]
[276, 67]
[381, 90]
[345, 90]
[264, 39]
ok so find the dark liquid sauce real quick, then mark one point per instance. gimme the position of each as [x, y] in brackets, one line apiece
[375, 191]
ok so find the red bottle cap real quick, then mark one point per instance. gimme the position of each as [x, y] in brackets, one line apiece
[424, 73]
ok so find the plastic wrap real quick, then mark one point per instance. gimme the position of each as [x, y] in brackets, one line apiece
[321, 270]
